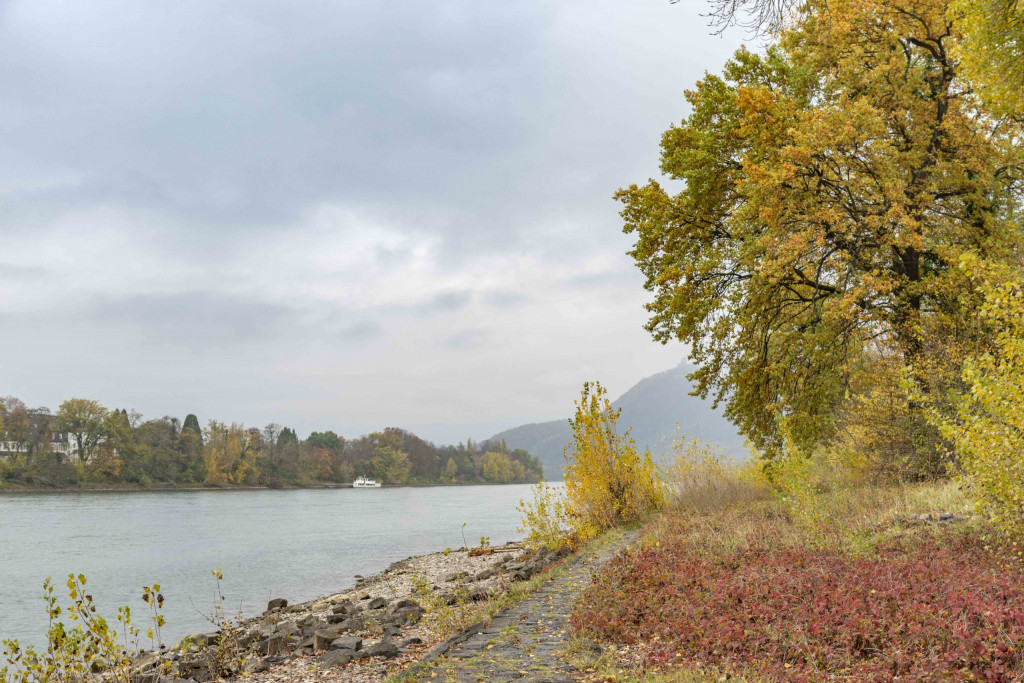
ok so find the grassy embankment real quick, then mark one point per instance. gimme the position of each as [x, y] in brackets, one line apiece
[735, 580]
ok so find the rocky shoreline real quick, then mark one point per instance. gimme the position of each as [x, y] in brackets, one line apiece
[366, 634]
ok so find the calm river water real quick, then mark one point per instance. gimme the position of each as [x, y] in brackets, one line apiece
[297, 545]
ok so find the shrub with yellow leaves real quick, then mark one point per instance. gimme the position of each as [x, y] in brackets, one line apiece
[607, 482]
[988, 431]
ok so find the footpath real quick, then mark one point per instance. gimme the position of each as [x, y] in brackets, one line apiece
[522, 643]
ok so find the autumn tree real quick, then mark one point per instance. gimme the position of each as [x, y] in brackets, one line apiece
[328, 440]
[829, 187]
[993, 48]
[85, 421]
[499, 468]
[18, 424]
[992, 32]
[451, 470]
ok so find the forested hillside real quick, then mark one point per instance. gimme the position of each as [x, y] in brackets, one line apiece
[85, 444]
[653, 408]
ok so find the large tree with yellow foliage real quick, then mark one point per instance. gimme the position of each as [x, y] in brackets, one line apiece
[826, 191]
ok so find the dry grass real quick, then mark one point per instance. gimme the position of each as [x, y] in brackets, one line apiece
[819, 503]
[622, 665]
[702, 480]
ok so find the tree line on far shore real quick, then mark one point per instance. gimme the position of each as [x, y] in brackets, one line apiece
[86, 444]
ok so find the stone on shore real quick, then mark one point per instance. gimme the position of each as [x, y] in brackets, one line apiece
[385, 648]
[336, 659]
[353, 643]
[323, 638]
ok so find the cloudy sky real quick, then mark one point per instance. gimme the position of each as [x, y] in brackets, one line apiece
[332, 213]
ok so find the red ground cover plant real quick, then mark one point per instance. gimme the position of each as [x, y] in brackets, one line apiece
[921, 608]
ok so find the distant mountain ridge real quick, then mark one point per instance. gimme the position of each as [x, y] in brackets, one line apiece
[652, 407]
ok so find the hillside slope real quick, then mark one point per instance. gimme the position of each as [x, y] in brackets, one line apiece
[652, 407]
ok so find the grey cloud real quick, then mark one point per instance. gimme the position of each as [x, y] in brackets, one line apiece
[624, 278]
[22, 273]
[322, 101]
[505, 298]
[474, 122]
[359, 332]
[196, 318]
[465, 339]
[447, 302]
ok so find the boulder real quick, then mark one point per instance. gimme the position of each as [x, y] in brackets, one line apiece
[454, 576]
[287, 628]
[407, 615]
[353, 643]
[277, 603]
[392, 630]
[406, 602]
[408, 642]
[377, 603]
[352, 624]
[385, 648]
[146, 662]
[270, 646]
[323, 638]
[336, 659]
[260, 666]
[342, 607]
[484, 575]
[202, 639]
[266, 626]
[197, 668]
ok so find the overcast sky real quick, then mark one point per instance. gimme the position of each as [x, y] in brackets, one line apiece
[332, 214]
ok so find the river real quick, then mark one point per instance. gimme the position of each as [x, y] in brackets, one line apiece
[295, 544]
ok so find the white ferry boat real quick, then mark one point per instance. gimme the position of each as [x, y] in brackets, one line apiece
[364, 483]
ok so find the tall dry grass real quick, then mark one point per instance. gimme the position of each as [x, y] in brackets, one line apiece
[701, 479]
[808, 502]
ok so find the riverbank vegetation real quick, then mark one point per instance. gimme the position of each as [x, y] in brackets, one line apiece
[85, 444]
[808, 581]
[608, 483]
[843, 260]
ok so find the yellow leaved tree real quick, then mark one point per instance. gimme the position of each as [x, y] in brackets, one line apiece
[607, 482]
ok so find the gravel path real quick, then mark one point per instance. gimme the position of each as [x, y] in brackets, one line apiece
[522, 642]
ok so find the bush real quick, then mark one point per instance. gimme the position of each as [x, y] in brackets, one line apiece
[883, 434]
[545, 520]
[75, 652]
[988, 431]
[607, 482]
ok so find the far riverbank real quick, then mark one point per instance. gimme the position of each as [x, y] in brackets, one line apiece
[11, 489]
